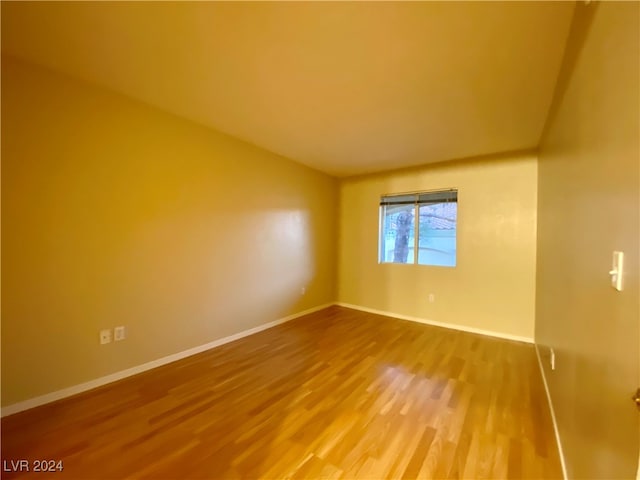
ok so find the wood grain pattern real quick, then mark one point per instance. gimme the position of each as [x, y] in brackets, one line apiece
[336, 394]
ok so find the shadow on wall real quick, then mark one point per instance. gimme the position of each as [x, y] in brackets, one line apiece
[578, 33]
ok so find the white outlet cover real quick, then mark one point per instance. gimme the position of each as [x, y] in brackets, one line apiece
[119, 333]
[105, 336]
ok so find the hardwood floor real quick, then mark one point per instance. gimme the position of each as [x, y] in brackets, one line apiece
[336, 394]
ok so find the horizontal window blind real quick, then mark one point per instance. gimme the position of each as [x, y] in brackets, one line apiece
[421, 198]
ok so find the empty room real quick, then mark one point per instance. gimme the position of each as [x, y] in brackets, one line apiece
[350, 240]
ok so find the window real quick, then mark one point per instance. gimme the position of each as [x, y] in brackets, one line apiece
[433, 242]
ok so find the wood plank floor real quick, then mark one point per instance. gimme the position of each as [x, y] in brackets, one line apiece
[336, 394]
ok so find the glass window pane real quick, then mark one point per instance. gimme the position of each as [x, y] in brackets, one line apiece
[437, 237]
[397, 234]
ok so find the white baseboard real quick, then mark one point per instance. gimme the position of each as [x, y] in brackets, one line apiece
[553, 415]
[452, 326]
[98, 382]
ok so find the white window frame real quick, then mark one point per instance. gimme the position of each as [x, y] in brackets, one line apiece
[416, 199]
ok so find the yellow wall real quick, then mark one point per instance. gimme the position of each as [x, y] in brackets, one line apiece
[589, 206]
[115, 213]
[492, 287]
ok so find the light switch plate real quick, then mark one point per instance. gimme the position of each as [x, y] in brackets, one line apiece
[617, 270]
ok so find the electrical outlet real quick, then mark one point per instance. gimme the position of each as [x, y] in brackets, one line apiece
[119, 333]
[432, 298]
[105, 336]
